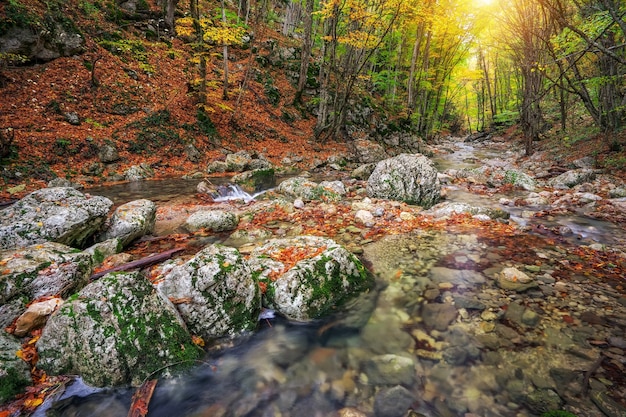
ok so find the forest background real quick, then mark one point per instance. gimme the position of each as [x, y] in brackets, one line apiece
[178, 83]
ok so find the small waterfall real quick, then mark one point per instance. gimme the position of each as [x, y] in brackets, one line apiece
[234, 192]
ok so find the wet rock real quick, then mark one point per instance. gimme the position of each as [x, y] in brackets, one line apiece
[215, 292]
[447, 209]
[14, 372]
[393, 402]
[572, 178]
[390, 369]
[409, 178]
[438, 316]
[42, 270]
[609, 407]
[301, 187]
[326, 276]
[117, 330]
[138, 172]
[215, 220]
[457, 277]
[59, 214]
[515, 280]
[255, 180]
[542, 401]
[130, 221]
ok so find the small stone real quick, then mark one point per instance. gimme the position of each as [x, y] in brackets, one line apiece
[298, 203]
[35, 316]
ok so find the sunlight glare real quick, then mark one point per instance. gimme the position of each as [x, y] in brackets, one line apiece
[484, 3]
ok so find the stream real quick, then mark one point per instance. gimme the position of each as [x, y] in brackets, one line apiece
[438, 336]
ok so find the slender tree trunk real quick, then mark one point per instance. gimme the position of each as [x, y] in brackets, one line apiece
[225, 56]
[305, 56]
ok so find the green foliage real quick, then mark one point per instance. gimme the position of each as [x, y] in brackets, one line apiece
[126, 48]
[89, 9]
[205, 124]
[156, 133]
[17, 15]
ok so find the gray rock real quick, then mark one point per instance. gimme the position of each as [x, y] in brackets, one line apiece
[327, 276]
[193, 154]
[216, 166]
[438, 316]
[256, 179]
[117, 330]
[572, 178]
[609, 406]
[59, 214]
[457, 277]
[45, 44]
[515, 280]
[108, 154]
[215, 292]
[300, 187]
[42, 270]
[14, 372]
[237, 162]
[102, 250]
[447, 209]
[130, 221]
[542, 400]
[214, 220]
[519, 179]
[406, 177]
[390, 369]
[72, 118]
[138, 172]
[363, 172]
[393, 402]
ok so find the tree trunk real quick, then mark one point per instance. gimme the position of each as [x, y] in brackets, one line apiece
[307, 44]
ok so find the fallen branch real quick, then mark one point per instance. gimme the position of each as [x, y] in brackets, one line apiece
[139, 263]
[141, 399]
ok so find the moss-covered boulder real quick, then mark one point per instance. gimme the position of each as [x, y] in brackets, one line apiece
[306, 277]
[14, 372]
[59, 214]
[411, 178]
[301, 187]
[41, 270]
[117, 330]
[215, 292]
[131, 221]
[256, 179]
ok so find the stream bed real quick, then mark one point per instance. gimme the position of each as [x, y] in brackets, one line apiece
[440, 335]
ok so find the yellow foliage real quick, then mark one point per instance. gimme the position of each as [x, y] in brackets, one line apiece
[223, 34]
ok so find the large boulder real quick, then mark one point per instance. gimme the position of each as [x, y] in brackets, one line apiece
[306, 277]
[14, 372]
[131, 221]
[42, 270]
[255, 180]
[59, 214]
[54, 41]
[215, 292]
[411, 178]
[572, 178]
[117, 330]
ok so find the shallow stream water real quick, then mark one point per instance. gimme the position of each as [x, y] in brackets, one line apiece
[437, 337]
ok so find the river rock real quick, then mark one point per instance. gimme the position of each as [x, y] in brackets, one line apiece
[138, 172]
[130, 221]
[393, 402]
[363, 172]
[438, 316]
[411, 178]
[572, 178]
[542, 400]
[301, 187]
[519, 179]
[214, 220]
[255, 180]
[14, 372]
[367, 151]
[60, 214]
[215, 292]
[42, 270]
[117, 330]
[216, 166]
[102, 250]
[447, 209]
[237, 162]
[307, 276]
[390, 369]
[515, 280]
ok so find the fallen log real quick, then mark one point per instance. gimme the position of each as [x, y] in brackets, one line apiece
[139, 263]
